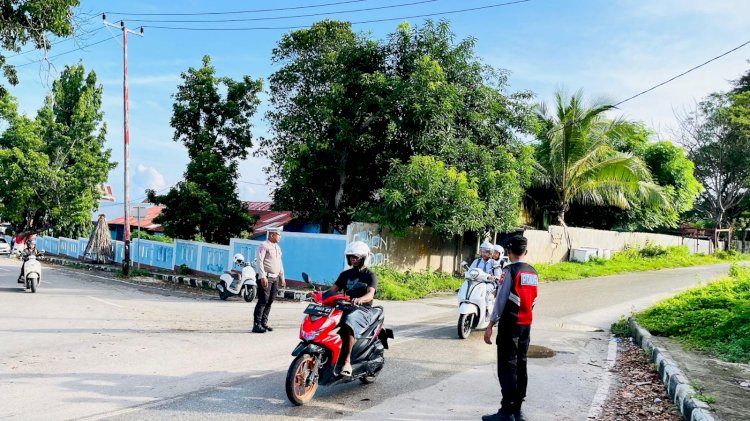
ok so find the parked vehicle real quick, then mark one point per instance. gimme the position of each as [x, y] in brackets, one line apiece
[4, 246]
[476, 299]
[316, 359]
[32, 271]
[232, 283]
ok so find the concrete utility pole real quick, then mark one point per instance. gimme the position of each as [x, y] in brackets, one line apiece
[126, 124]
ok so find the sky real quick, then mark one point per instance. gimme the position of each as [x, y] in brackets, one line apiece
[611, 49]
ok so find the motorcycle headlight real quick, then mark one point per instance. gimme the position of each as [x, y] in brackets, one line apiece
[309, 336]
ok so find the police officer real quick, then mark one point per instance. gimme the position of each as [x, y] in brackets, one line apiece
[513, 314]
[271, 272]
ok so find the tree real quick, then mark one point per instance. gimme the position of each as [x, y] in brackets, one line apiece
[32, 21]
[53, 165]
[577, 160]
[717, 137]
[211, 117]
[428, 193]
[346, 107]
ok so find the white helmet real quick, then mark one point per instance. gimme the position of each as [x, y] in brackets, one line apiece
[357, 248]
[498, 248]
[239, 258]
[486, 246]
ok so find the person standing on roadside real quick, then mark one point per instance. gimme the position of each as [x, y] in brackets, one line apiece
[271, 273]
[513, 314]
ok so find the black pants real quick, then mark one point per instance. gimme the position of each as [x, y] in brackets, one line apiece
[265, 299]
[512, 348]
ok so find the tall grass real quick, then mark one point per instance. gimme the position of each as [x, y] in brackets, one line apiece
[402, 286]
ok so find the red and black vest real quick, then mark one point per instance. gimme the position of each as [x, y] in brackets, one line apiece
[522, 298]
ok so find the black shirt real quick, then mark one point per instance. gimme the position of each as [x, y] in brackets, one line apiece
[354, 282]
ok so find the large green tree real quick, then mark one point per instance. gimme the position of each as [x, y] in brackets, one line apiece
[577, 160]
[54, 164]
[31, 21]
[346, 109]
[211, 116]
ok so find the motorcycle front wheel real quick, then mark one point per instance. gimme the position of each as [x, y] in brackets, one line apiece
[33, 283]
[249, 294]
[464, 325]
[301, 380]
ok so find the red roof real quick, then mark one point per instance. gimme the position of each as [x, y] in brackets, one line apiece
[259, 208]
[146, 222]
[272, 220]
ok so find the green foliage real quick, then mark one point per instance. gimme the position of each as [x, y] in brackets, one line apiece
[621, 328]
[578, 161]
[346, 107]
[32, 21]
[709, 399]
[650, 257]
[212, 118]
[134, 273]
[146, 236]
[426, 192]
[184, 270]
[714, 318]
[53, 165]
[402, 286]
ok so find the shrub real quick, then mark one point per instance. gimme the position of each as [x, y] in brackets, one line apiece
[396, 285]
[621, 328]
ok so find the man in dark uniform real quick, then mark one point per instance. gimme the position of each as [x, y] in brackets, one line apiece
[513, 314]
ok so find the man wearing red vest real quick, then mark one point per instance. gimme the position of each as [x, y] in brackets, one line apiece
[513, 315]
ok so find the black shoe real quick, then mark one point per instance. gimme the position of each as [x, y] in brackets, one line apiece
[268, 328]
[258, 329]
[499, 416]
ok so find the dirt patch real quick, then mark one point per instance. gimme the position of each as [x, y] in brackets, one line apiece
[728, 383]
[637, 393]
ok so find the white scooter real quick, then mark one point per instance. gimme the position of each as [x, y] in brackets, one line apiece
[476, 299]
[32, 271]
[243, 283]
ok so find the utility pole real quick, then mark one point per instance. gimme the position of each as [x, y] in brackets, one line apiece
[126, 124]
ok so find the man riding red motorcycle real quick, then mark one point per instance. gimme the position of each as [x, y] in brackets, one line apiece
[343, 330]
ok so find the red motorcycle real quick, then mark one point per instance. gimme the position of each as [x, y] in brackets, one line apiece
[317, 356]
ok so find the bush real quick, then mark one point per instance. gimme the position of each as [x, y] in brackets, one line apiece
[401, 286]
[134, 272]
[714, 318]
[184, 270]
[621, 328]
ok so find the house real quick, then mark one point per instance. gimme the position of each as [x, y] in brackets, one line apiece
[117, 225]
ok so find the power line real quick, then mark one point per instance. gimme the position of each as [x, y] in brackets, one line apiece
[83, 47]
[682, 74]
[392, 6]
[236, 12]
[56, 42]
[353, 23]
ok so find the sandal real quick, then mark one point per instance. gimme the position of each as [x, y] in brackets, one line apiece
[346, 370]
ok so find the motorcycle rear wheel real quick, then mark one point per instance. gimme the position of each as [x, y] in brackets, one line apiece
[223, 295]
[297, 389]
[464, 325]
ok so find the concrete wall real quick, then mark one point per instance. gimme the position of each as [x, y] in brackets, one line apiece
[419, 250]
[551, 246]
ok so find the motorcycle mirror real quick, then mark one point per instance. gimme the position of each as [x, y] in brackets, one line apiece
[464, 264]
[306, 277]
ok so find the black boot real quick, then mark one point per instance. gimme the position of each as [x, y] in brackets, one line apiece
[257, 328]
[499, 416]
[266, 327]
[518, 416]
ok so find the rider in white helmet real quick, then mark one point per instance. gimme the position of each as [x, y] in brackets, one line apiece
[484, 262]
[360, 284]
[239, 262]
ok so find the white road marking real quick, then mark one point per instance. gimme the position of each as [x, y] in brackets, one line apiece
[105, 301]
[597, 405]
[5, 269]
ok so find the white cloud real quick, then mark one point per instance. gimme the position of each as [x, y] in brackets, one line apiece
[151, 178]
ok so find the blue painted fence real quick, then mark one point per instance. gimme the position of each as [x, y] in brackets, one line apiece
[320, 255]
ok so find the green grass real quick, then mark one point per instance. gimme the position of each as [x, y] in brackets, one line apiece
[402, 286]
[714, 318]
[650, 257]
[621, 328]
[134, 272]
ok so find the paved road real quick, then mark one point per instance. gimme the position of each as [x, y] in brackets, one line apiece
[89, 347]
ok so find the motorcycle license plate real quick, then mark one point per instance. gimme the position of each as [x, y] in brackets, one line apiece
[318, 310]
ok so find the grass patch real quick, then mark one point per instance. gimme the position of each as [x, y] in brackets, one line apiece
[402, 286]
[714, 318]
[134, 272]
[621, 328]
[651, 257]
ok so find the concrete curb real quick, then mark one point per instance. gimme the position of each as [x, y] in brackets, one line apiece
[676, 382]
[208, 284]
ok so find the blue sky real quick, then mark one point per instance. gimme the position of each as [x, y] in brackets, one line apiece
[609, 48]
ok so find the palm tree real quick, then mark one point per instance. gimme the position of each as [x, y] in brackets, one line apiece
[577, 162]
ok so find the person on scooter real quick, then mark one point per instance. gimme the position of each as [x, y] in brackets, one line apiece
[239, 262]
[498, 252]
[360, 284]
[484, 262]
[513, 315]
[28, 251]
